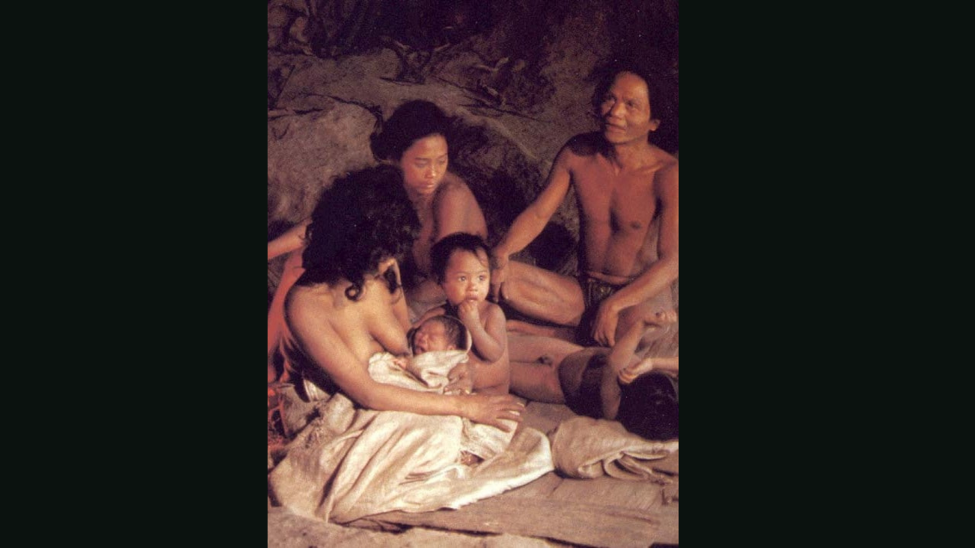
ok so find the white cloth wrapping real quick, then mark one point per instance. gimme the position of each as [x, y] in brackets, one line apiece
[586, 448]
[351, 462]
[429, 372]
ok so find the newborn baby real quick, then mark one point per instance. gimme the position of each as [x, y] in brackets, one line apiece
[439, 345]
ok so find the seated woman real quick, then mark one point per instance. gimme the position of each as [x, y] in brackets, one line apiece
[415, 139]
[348, 305]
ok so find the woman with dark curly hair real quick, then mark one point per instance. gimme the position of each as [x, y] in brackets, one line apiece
[349, 305]
[414, 139]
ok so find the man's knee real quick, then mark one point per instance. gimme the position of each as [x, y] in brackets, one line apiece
[540, 293]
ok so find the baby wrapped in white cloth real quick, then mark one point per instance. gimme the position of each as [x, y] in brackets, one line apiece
[440, 344]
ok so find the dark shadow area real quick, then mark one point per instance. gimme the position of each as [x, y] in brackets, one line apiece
[555, 249]
[496, 171]
[328, 28]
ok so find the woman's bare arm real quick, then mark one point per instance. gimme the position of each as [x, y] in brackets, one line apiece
[293, 239]
[309, 321]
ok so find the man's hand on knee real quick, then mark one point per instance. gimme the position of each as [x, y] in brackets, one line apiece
[498, 287]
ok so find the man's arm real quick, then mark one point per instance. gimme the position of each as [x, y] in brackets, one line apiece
[659, 275]
[531, 222]
[293, 239]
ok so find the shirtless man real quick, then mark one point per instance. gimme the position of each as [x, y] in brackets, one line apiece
[623, 184]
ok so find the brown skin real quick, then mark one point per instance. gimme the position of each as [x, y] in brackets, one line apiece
[542, 367]
[276, 312]
[444, 204]
[465, 285]
[622, 183]
[328, 331]
[451, 209]
[487, 377]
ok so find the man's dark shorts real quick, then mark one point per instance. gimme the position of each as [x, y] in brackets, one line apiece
[595, 291]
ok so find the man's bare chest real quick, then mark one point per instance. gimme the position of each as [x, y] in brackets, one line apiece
[623, 202]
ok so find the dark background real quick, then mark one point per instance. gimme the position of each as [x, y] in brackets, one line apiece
[804, 427]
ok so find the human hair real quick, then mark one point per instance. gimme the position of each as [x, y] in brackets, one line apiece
[442, 250]
[411, 121]
[454, 330]
[363, 218]
[661, 99]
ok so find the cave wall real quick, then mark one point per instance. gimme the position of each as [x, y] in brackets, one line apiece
[516, 74]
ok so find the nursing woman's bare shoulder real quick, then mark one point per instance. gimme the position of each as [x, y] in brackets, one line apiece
[321, 308]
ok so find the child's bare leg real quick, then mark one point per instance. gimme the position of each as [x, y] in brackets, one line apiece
[610, 392]
[534, 362]
[529, 329]
[648, 364]
[623, 366]
[539, 349]
[662, 318]
[660, 325]
[535, 381]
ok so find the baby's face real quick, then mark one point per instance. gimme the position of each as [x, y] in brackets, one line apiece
[466, 277]
[431, 337]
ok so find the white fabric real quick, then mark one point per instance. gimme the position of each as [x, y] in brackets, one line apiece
[586, 448]
[429, 372]
[351, 462]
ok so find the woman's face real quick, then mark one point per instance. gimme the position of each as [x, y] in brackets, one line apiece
[424, 164]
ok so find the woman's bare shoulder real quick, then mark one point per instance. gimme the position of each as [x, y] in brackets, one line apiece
[308, 309]
[453, 185]
[458, 209]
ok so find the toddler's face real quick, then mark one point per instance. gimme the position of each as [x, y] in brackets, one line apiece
[431, 337]
[466, 277]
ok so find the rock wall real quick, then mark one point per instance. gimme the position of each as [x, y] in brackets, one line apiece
[516, 75]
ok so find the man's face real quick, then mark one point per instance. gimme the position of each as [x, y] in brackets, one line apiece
[430, 337]
[466, 277]
[424, 164]
[626, 111]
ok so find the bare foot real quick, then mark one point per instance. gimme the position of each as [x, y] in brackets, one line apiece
[662, 318]
[629, 373]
